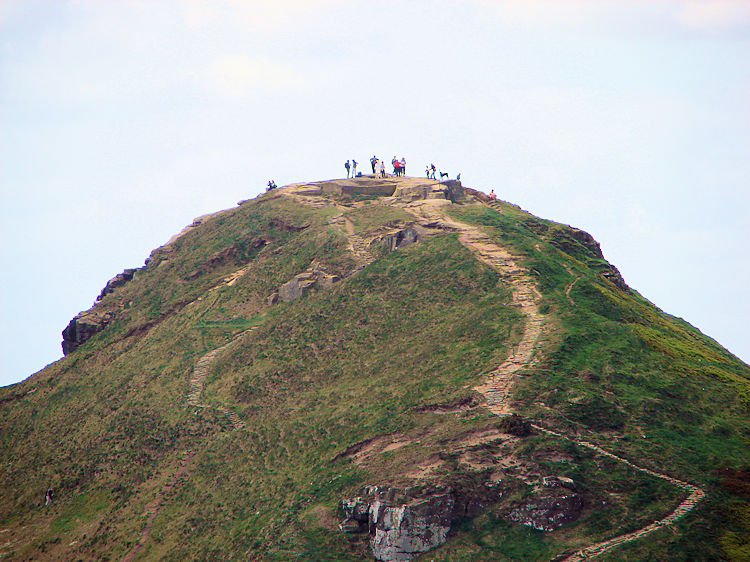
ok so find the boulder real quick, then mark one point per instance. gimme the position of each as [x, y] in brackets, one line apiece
[405, 531]
[402, 237]
[302, 283]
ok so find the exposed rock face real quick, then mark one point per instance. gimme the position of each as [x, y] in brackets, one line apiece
[117, 281]
[449, 189]
[82, 327]
[403, 237]
[354, 187]
[613, 274]
[550, 507]
[402, 523]
[405, 522]
[87, 323]
[302, 283]
[404, 531]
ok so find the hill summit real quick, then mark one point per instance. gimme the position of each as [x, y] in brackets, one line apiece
[377, 367]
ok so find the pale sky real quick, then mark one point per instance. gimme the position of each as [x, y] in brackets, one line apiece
[122, 121]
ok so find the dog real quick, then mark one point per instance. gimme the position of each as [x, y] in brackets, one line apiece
[443, 175]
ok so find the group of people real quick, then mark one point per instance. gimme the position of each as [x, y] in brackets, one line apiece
[399, 166]
[351, 168]
[378, 167]
[430, 171]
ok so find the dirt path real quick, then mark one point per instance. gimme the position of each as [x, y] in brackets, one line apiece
[358, 246]
[568, 289]
[695, 495]
[198, 377]
[152, 508]
[497, 383]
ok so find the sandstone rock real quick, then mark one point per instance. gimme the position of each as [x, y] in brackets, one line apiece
[449, 189]
[302, 283]
[296, 287]
[405, 522]
[82, 327]
[271, 299]
[402, 237]
[117, 281]
[549, 511]
[402, 532]
[356, 508]
[362, 186]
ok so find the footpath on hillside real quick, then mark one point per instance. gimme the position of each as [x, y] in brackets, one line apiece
[497, 384]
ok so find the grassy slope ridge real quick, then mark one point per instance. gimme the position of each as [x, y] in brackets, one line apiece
[106, 426]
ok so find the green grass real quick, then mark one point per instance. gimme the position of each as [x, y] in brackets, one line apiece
[105, 426]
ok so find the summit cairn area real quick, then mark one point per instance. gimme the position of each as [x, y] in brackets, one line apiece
[401, 188]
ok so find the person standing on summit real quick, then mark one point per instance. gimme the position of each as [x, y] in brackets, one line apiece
[374, 162]
[354, 168]
[346, 165]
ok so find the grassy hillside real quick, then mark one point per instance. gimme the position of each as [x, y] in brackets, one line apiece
[355, 384]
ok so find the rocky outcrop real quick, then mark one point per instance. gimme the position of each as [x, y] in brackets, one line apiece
[402, 237]
[117, 281]
[612, 274]
[82, 327]
[89, 322]
[358, 187]
[550, 506]
[301, 284]
[449, 189]
[402, 523]
[404, 531]
[405, 522]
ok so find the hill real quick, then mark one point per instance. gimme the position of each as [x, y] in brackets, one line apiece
[377, 367]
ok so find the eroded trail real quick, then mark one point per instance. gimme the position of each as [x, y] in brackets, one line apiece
[695, 495]
[152, 508]
[197, 379]
[497, 383]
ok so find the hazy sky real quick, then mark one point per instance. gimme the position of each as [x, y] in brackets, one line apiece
[122, 121]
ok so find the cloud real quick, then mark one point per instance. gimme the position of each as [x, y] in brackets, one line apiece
[549, 13]
[714, 15]
[237, 75]
[261, 16]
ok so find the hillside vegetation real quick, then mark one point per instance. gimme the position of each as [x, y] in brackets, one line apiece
[371, 375]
